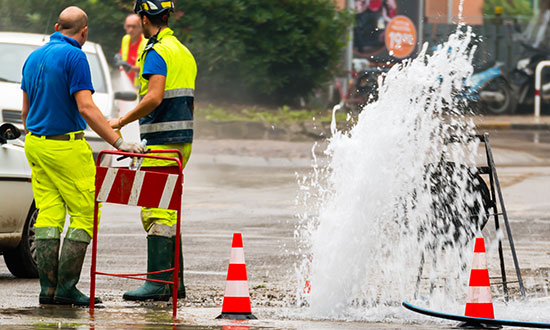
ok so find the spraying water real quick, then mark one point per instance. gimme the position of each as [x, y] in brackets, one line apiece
[388, 217]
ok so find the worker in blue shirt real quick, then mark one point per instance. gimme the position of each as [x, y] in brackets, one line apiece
[165, 114]
[57, 105]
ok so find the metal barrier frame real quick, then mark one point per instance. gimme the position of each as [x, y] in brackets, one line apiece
[178, 189]
[538, 84]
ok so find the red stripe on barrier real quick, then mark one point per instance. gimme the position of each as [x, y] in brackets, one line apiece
[236, 305]
[152, 188]
[484, 310]
[176, 197]
[236, 272]
[479, 277]
[479, 246]
[99, 177]
[537, 92]
[237, 240]
[122, 187]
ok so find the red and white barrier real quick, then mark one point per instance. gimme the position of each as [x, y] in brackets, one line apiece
[158, 188]
[123, 186]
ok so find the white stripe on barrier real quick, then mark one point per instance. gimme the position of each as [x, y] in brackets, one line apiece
[168, 191]
[480, 261]
[236, 289]
[107, 184]
[237, 256]
[479, 294]
[136, 188]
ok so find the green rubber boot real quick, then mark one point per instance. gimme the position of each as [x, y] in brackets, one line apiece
[181, 286]
[47, 254]
[70, 266]
[159, 257]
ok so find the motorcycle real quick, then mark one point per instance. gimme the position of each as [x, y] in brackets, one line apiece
[491, 90]
[499, 92]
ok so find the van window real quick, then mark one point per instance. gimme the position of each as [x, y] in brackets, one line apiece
[13, 56]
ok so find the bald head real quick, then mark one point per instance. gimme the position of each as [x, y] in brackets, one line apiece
[132, 25]
[72, 21]
[132, 19]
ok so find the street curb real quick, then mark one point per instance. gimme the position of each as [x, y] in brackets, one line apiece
[516, 126]
[310, 130]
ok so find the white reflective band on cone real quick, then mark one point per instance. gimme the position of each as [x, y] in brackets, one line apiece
[236, 289]
[237, 256]
[166, 126]
[480, 261]
[479, 294]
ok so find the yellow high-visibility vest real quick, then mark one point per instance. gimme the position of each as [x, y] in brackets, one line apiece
[172, 121]
[125, 49]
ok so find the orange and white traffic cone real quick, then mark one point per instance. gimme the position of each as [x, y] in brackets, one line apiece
[479, 303]
[236, 299]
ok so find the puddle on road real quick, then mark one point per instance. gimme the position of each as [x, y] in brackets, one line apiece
[65, 317]
[159, 318]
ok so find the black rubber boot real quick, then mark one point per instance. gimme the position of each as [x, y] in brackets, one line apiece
[47, 254]
[160, 250]
[70, 266]
[181, 286]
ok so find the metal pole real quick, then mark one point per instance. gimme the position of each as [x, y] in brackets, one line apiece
[505, 217]
[348, 61]
[450, 11]
[538, 83]
[420, 24]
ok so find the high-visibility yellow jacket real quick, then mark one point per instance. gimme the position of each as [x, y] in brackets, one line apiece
[172, 121]
[125, 49]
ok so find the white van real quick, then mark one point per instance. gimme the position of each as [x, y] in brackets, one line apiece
[15, 47]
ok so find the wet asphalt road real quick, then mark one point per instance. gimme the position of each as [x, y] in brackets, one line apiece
[249, 186]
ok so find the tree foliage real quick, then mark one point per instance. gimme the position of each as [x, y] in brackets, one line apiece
[106, 18]
[509, 7]
[275, 50]
[261, 50]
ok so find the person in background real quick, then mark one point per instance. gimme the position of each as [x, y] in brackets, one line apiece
[165, 114]
[57, 105]
[131, 47]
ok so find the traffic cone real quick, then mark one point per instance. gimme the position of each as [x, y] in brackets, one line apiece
[479, 303]
[236, 299]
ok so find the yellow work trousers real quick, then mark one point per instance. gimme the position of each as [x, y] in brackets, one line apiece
[63, 179]
[149, 215]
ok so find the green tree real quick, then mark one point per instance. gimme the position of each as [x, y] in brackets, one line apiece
[509, 7]
[246, 50]
[106, 18]
[263, 50]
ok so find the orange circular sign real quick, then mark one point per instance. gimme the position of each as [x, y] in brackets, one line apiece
[400, 37]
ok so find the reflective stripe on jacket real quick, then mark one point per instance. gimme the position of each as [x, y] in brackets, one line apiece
[172, 121]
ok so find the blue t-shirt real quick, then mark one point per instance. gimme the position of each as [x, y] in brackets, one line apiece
[154, 64]
[51, 75]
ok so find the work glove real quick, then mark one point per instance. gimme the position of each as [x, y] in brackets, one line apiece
[134, 147]
[120, 63]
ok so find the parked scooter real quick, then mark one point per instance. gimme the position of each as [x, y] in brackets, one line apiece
[491, 90]
[501, 93]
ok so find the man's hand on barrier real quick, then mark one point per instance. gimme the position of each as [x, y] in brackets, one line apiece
[135, 147]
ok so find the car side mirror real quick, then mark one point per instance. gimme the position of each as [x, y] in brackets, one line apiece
[8, 132]
[125, 96]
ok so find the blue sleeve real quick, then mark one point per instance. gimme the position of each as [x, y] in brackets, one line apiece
[80, 77]
[23, 80]
[154, 64]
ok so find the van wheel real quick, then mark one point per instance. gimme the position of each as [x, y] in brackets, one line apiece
[21, 261]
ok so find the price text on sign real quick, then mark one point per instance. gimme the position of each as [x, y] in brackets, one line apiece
[400, 37]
